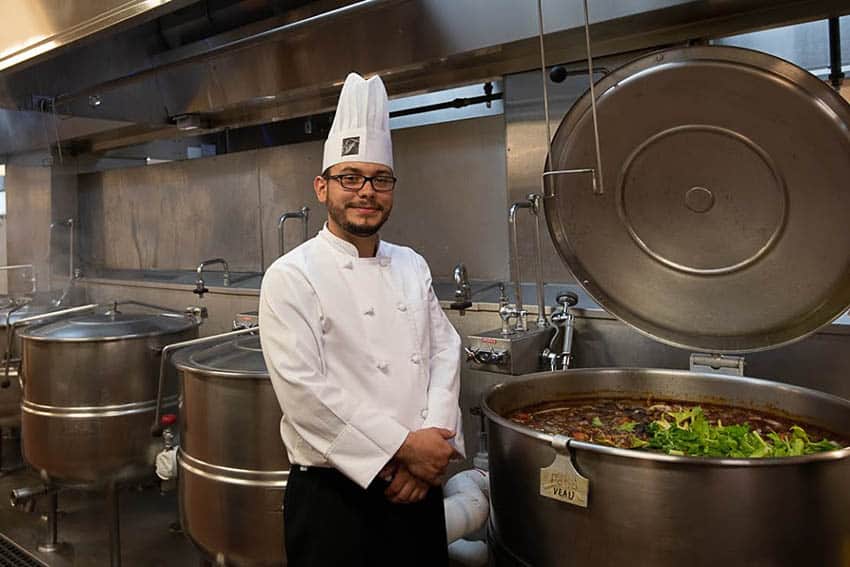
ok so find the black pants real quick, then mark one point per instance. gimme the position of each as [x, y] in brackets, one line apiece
[330, 521]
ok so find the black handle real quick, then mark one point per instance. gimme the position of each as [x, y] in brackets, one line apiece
[460, 305]
[568, 299]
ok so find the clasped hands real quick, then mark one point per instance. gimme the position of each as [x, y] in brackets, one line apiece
[418, 464]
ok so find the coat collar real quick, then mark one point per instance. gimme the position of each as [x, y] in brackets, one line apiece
[349, 251]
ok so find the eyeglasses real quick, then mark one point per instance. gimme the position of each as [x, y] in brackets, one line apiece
[355, 182]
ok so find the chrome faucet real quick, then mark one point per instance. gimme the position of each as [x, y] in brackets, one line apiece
[200, 288]
[303, 213]
[463, 290]
[533, 204]
[508, 311]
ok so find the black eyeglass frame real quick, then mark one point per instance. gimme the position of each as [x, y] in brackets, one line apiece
[366, 179]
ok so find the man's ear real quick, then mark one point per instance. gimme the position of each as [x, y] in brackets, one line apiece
[320, 186]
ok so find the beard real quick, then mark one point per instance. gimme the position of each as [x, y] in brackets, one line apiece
[366, 227]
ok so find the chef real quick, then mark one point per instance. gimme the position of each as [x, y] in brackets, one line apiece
[364, 363]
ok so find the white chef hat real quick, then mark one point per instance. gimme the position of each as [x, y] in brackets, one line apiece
[361, 127]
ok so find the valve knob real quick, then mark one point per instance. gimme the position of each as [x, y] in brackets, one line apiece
[168, 420]
[567, 299]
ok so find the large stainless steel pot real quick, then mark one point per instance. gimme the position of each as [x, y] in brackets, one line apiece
[10, 395]
[233, 466]
[89, 394]
[658, 510]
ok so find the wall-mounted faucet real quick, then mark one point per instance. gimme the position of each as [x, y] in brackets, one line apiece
[463, 289]
[303, 213]
[517, 310]
[200, 288]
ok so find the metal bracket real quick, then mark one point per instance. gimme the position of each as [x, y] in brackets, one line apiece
[560, 480]
[598, 187]
[717, 363]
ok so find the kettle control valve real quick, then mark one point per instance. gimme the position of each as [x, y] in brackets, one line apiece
[491, 356]
[564, 322]
[168, 435]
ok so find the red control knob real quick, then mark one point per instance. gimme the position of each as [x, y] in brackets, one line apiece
[168, 419]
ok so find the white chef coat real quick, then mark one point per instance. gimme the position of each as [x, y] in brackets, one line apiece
[359, 353]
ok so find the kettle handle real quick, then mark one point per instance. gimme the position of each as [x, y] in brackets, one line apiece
[164, 353]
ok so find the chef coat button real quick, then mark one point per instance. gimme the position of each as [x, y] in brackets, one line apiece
[415, 359]
[348, 265]
[424, 413]
[382, 366]
[370, 311]
[384, 261]
[402, 307]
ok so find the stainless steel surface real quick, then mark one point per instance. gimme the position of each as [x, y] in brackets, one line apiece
[114, 326]
[50, 543]
[819, 361]
[512, 212]
[89, 395]
[806, 45]
[10, 388]
[206, 208]
[37, 28]
[715, 198]
[164, 366]
[517, 353]
[148, 85]
[537, 208]
[55, 224]
[69, 284]
[665, 510]
[25, 267]
[229, 205]
[233, 466]
[221, 305]
[10, 403]
[304, 214]
[28, 207]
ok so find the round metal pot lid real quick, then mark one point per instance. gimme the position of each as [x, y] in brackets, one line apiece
[723, 222]
[113, 326]
[240, 356]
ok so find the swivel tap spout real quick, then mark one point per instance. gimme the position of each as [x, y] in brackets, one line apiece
[303, 213]
[200, 289]
[463, 289]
